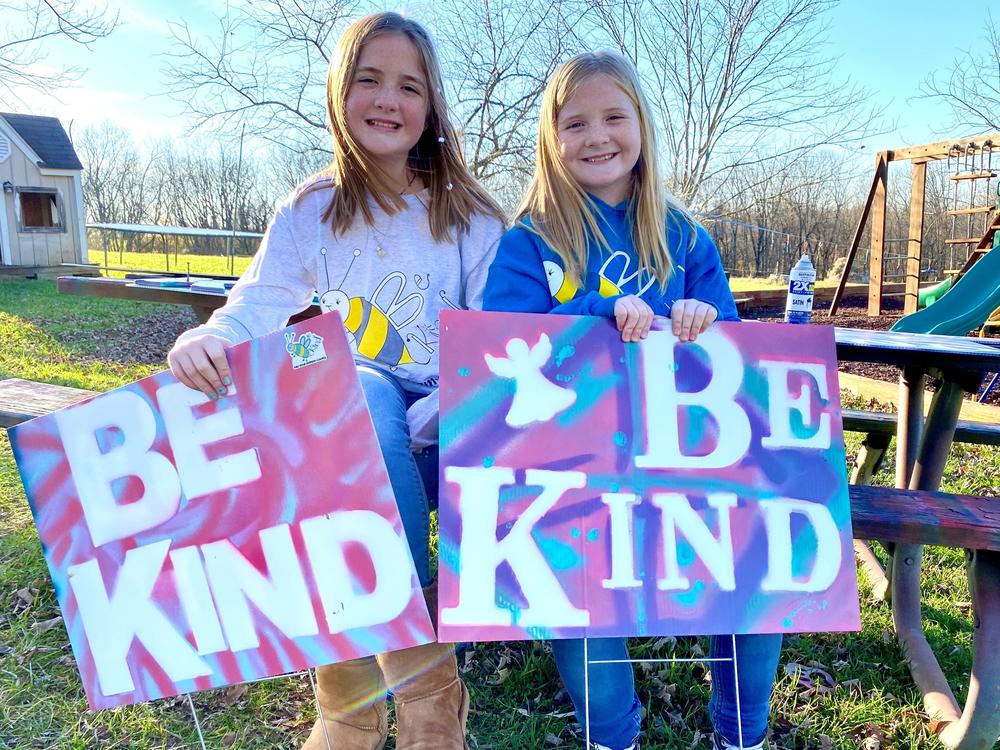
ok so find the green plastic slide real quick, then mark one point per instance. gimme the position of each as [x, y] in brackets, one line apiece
[931, 294]
[966, 307]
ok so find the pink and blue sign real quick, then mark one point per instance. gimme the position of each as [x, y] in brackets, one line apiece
[197, 543]
[595, 488]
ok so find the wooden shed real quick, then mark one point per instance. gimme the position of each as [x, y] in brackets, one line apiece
[42, 216]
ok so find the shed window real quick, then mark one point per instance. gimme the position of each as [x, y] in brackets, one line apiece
[41, 210]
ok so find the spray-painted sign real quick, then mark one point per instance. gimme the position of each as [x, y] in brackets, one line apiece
[595, 488]
[197, 543]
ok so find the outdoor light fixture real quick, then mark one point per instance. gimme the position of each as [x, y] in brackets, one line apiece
[8, 186]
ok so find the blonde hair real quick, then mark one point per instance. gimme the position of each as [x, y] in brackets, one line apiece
[560, 210]
[437, 157]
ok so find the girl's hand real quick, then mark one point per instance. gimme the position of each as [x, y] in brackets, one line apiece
[634, 317]
[200, 363]
[691, 317]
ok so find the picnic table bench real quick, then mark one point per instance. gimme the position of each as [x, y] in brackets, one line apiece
[21, 400]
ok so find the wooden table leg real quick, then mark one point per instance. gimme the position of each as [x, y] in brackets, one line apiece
[927, 469]
[910, 423]
[977, 727]
[203, 313]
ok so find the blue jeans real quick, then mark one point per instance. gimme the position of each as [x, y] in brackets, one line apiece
[413, 476]
[615, 707]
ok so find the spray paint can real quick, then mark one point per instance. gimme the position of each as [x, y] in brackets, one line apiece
[799, 303]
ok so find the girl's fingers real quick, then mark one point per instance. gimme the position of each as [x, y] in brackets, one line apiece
[634, 318]
[699, 322]
[711, 315]
[209, 378]
[687, 321]
[631, 321]
[691, 317]
[201, 364]
[192, 376]
[677, 316]
[217, 356]
[646, 322]
[175, 360]
[621, 314]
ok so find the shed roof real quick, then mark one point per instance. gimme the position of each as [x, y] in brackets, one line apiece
[48, 139]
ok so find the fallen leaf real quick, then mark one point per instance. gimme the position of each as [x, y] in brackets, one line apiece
[232, 694]
[665, 642]
[43, 625]
[30, 653]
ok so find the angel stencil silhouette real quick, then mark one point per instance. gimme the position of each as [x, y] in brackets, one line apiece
[536, 399]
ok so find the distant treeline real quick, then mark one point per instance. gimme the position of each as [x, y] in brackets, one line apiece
[761, 221]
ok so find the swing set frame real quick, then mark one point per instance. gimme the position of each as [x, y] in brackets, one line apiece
[875, 209]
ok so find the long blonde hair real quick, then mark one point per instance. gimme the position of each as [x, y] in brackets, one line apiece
[562, 213]
[437, 157]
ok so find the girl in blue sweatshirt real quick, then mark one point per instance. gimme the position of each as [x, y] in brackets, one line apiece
[598, 235]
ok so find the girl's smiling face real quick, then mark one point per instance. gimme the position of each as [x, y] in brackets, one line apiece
[599, 138]
[387, 103]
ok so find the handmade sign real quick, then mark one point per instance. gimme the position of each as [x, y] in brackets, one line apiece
[195, 544]
[595, 488]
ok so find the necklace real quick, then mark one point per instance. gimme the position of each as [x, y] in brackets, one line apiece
[379, 237]
[380, 243]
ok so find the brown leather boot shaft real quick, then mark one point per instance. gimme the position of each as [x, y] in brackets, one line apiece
[432, 702]
[351, 711]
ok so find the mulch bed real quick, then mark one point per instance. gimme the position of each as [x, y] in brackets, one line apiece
[145, 340]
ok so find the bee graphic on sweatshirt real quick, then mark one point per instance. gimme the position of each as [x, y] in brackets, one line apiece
[563, 289]
[374, 325]
[616, 283]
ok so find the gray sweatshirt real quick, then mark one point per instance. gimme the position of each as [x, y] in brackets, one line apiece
[388, 283]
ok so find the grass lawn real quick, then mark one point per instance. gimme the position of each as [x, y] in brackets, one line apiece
[841, 691]
[213, 264]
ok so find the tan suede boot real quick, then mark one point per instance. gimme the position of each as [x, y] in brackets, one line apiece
[432, 702]
[351, 710]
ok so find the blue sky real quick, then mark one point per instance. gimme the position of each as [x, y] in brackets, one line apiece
[887, 46]
[890, 46]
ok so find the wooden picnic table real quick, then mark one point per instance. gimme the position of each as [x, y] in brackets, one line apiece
[203, 303]
[922, 447]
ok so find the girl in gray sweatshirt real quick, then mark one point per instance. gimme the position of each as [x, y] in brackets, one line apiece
[396, 230]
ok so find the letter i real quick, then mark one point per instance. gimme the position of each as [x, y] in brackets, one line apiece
[622, 550]
[196, 600]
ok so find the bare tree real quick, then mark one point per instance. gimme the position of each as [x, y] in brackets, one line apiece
[731, 77]
[771, 211]
[266, 68]
[27, 26]
[118, 184]
[498, 56]
[972, 88]
[267, 65]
